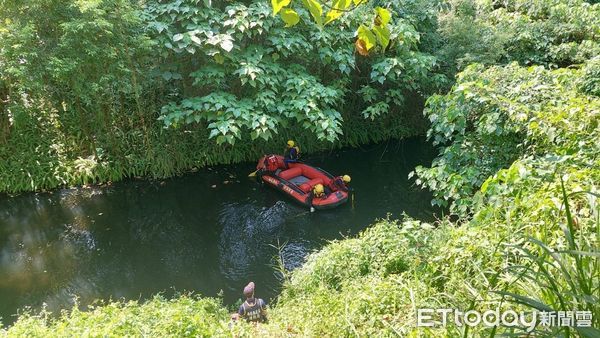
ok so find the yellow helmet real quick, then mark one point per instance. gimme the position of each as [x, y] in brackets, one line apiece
[290, 143]
[319, 189]
[346, 178]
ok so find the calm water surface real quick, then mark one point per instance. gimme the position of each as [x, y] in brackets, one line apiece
[209, 232]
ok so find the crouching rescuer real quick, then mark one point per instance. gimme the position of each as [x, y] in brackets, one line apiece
[340, 183]
[318, 191]
[253, 309]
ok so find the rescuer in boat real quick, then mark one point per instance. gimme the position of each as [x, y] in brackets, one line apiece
[340, 183]
[291, 153]
[253, 309]
[318, 191]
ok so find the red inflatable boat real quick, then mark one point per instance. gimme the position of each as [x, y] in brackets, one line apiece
[298, 180]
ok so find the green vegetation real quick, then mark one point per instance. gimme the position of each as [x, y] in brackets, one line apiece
[518, 168]
[373, 284]
[497, 115]
[185, 316]
[553, 33]
[96, 91]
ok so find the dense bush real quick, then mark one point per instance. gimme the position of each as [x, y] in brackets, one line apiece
[186, 316]
[590, 79]
[493, 116]
[554, 33]
[83, 84]
[73, 77]
[242, 71]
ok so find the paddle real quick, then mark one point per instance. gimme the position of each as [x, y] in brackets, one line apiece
[252, 174]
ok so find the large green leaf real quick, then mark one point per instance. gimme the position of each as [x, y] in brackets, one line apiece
[315, 9]
[196, 40]
[338, 8]
[278, 5]
[367, 36]
[383, 35]
[177, 37]
[227, 45]
[290, 17]
[384, 15]
[219, 58]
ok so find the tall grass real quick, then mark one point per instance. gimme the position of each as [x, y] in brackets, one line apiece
[43, 154]
[562, 280]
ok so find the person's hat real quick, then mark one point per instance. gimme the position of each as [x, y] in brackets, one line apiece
[290, 143]
[346, 178]
[249, 290]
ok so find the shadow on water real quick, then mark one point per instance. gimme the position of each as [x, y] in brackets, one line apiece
[209, 232]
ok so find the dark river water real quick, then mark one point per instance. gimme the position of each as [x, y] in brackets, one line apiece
[209, 232]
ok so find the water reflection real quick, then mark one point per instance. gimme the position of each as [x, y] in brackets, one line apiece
[42, 247]
[205, 232]
[248, 230]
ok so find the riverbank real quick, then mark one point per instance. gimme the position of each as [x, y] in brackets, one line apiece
[33, 164]
[209, 231]
[530, 240]
[366, 286]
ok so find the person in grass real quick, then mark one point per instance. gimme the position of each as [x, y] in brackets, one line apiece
[253, 309]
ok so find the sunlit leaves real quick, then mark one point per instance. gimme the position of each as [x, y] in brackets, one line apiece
[338, 8]
[383, 35]
[315, 9]
[492, 116]
[227, 45]
[278, 5]
[192, 40]
[196, 40]
[225, 41]
[383, 15]
[290, 17]
[367, 36]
